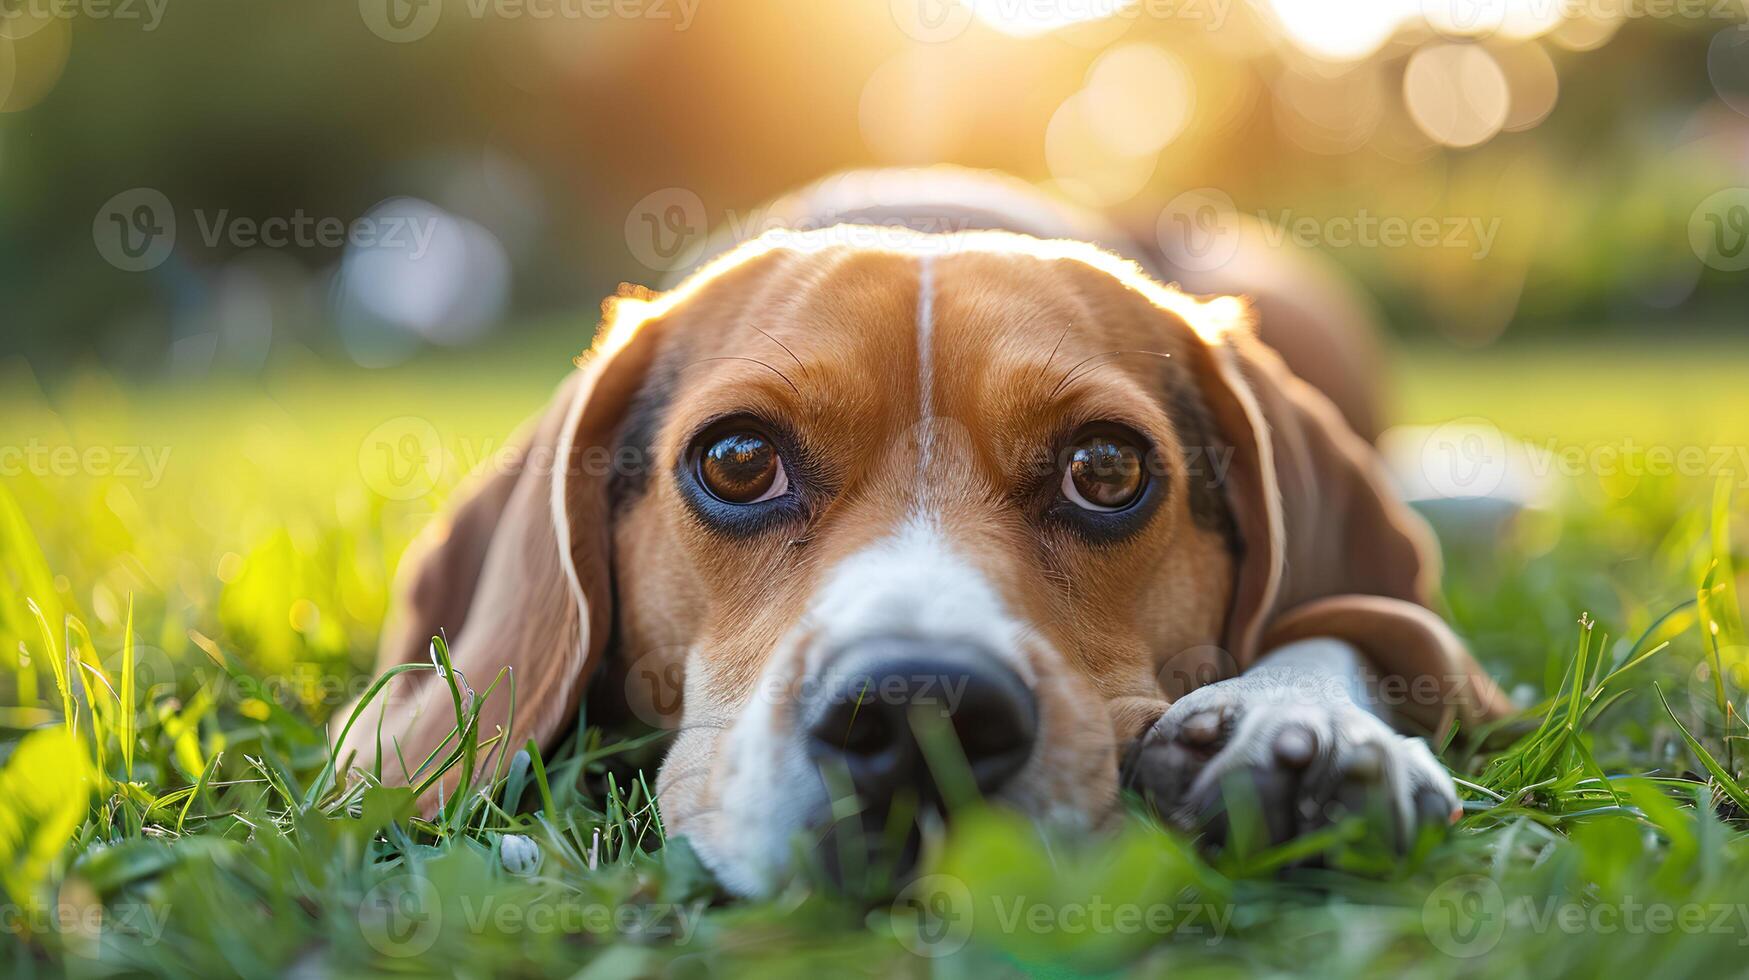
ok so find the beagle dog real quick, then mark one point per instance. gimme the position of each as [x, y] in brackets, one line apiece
[935, 488]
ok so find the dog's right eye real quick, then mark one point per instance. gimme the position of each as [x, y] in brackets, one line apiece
[742, 467]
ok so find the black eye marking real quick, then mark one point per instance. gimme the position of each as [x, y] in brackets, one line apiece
[1208, 461]
[635, 446]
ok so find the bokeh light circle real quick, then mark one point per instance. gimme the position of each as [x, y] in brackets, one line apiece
[1533, 83]
[1330, 112]
[1351, 33]
[1456, 93]
[1084, 167]
[1727, 65]
[1139, 99]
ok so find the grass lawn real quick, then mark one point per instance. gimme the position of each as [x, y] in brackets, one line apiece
[182, 821]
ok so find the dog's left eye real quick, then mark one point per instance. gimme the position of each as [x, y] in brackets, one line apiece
[742, 467]
[1104, 473]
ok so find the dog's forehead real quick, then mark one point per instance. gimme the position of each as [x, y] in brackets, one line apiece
[843, 332]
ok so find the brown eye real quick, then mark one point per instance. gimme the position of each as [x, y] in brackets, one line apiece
[1104, 473]
[742, 467]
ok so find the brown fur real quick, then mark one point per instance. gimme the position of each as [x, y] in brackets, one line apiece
[1299, 537]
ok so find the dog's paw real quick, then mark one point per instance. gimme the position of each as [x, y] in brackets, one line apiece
[1304, 765]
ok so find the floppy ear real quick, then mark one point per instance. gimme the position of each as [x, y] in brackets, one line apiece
[1329, 550]
[518, 577]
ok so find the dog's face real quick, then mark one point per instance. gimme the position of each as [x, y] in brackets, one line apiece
[899, 495]
[952, 515]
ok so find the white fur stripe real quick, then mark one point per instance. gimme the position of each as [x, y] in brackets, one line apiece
[925, 360]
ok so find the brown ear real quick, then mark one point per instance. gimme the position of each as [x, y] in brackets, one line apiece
[1329, 550]
[518, 578]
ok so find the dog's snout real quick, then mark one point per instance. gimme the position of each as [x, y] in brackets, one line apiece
[888, 704]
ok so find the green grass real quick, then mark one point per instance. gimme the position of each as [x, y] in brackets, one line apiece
[164, 806]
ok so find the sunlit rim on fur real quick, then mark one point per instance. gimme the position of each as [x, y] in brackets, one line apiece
[625, 314]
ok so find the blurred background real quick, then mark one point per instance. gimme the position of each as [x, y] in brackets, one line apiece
[275, 276]
[192, 186]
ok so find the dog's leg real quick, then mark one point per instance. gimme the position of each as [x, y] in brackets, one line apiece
[1300, 733]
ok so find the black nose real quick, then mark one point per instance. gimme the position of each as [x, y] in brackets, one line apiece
[897, 713]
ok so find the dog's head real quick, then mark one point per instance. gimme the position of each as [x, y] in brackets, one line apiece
[950, 514]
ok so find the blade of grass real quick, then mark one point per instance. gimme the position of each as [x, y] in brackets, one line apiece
[540, 778]
[62, 682]
[1723, 778]
[129, 720]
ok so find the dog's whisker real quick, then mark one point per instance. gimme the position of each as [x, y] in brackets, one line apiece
[700, 727]
[1055, 348]
[1071, 373]
[753, 360]
[786, 350]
